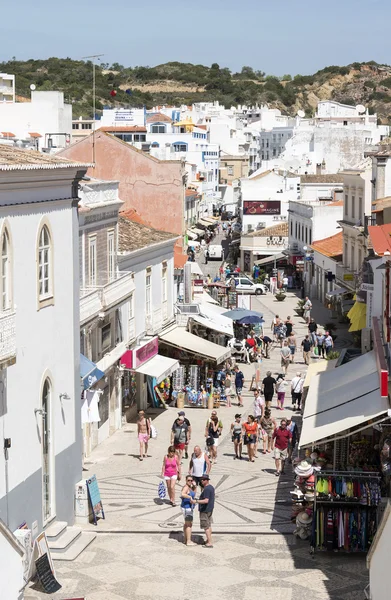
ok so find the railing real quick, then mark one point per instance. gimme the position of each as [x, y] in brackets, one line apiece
[102, 296]
[7, 337]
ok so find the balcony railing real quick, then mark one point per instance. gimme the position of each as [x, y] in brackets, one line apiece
[7, 338]
[103, 296]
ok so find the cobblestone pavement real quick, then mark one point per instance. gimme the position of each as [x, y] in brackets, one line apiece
[138, 551]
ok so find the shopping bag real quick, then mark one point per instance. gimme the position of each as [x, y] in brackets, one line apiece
[153, 432]
[316, 351]
[161, 490]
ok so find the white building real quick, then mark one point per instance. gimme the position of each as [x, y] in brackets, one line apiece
[7, 88]
[39, 350]
[118, 117]
[265, 198]
[327, 255]
[44, 123]
[264, 247]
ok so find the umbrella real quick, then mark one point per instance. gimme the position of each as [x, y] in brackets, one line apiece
[244, 316]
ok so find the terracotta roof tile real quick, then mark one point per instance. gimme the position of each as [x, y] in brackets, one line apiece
[34, 134]
[123, 128]
[380, 235]
[330, 246]
[158, 118]
[12, 159]
[132, 235]
[7, 134]
[281, 229]
[322, 178]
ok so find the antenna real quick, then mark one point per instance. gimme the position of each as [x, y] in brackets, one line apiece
[93, 56]
[301, 114]
[360, 108]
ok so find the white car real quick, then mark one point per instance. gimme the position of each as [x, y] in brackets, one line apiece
[245, 285]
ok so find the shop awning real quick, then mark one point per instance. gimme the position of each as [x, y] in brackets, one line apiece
[218, 323]
[336, 292]
[89, 372]
[192, 234]
[206, 298]
[269, 259]
[159, 367]
[318, 367]
[203, 222]
[196, 269]
[357, 316]
[112, 357]
[198, 232]
[178, 337]
[210, 221]
[341, 399]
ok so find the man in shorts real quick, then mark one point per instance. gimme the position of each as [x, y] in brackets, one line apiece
[281, 438]
[143, 433]
[206, 504]
[187, 422]
[268, 387]
[179, 436]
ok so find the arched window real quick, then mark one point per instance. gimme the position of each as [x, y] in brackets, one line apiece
[5, 271]
[45, 267]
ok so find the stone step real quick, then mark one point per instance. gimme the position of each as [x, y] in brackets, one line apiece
[62, 542]
[55, 530]
[73, 551]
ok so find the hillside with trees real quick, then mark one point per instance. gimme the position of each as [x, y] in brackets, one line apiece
[176, 83]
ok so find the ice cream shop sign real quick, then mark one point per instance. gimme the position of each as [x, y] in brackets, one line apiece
[132, 359]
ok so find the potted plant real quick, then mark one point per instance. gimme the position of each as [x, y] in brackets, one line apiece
[332, 355]
[280, 296]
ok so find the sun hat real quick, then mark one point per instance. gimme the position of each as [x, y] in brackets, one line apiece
[304, 518]
[304, 469]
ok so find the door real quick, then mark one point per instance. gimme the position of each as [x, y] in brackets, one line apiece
[47, 462]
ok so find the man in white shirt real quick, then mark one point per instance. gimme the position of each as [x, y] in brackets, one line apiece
[297, 391]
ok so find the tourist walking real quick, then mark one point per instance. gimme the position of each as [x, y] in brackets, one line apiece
[281, 438]
[292, 343]
[288, 326]
[206, 504]
[268, 387]
[143, 433]
[187, 506]
[171, 471]
[306, 345]
[250, 436]
[274, 326]
[228, 388]
[297, 391]
[268, 425]
[281, 386]
[328, 343]
[285, 356]
[213, 431]
[312, 329]
[206, 256]
[307, 309]
[236, 432]
[320, 338]
[292, 427]
[187, 422]
[259, 405]
[239, 383]
[266, 345]
[199, 464]
[180, 436]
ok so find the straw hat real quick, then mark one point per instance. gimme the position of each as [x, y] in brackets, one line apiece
[304, 518]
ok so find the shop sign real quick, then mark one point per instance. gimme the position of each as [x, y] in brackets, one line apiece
[348, 277]
[266, 207]
[367, 287]
[127, 360]
[145, 352]
[276, 241]
[198, 286]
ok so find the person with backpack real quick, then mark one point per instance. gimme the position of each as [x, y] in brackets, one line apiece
[199, 464]
[180, 436]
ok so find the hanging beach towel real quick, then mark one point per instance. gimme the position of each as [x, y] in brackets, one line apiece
[161, 490]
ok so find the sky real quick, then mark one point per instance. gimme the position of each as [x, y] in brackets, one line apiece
[275, 36]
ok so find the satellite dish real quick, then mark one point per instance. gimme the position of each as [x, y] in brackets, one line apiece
[301, 114]
[360, 108]
[32, 87]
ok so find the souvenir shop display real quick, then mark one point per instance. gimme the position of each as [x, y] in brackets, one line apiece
[303, 496]
[179, 379]
[163, 389]
[345, 510]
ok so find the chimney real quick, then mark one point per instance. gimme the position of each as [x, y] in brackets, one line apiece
[318, 169]
[380, 177]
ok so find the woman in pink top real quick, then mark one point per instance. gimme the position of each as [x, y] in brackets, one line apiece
[171, 471]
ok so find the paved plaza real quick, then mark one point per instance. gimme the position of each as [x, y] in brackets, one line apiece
[138, 552]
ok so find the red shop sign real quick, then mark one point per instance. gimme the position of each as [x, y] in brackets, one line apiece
[145, 352]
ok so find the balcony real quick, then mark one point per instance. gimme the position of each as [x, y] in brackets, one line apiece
[346, 276]
[99, 298]
[7, 339]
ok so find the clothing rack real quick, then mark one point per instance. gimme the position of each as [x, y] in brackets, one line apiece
[360, 518]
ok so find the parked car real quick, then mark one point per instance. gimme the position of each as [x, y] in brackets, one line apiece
[245, 285]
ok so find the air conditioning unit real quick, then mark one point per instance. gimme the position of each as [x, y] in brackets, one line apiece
[250, 228]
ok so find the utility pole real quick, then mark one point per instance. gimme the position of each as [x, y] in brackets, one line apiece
[93, 57]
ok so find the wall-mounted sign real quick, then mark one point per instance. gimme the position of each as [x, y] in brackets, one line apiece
[145, 352]
[262, 207]
[124, 115]
[348, 277]
[367, 287]
[276, 241]
[198, 286]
